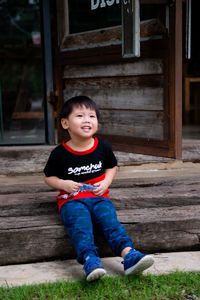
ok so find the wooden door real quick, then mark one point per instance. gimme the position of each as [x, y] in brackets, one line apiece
[140, 98]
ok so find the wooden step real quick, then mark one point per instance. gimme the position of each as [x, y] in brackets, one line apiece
[38, 238]
[158, 214]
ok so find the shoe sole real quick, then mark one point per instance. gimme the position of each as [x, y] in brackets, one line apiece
[96, 274]
[143, 264]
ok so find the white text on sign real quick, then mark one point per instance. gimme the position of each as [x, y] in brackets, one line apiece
[102, 3]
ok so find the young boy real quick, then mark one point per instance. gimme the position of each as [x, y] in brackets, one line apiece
[83, 168]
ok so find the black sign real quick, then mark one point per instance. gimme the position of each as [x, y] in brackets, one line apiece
[87, 15]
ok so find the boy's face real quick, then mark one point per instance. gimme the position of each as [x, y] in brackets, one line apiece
[81, 123]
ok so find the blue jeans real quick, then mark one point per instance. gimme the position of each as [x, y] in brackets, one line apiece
[79, 216]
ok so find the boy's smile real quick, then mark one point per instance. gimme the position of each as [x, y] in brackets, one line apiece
[86, 128]
[81, 123]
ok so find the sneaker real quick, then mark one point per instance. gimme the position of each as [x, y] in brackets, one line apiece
[93, 268]
[136, 262]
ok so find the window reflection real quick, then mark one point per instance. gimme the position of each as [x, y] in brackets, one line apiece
[21, 72]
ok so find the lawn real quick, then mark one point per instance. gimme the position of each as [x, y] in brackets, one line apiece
[177, 285]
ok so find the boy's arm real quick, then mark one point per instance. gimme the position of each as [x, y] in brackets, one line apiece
[69, 186]
[103, 185]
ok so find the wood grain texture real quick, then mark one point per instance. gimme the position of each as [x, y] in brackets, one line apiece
[137, 67]
[111, 35]
[159, 214]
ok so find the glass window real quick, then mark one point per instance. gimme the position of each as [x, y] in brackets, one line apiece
[21, 73]
[149, 11]
[87, 15]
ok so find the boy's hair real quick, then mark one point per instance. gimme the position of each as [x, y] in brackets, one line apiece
[75, 102]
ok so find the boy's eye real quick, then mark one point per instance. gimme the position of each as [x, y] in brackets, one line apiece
[79, 115]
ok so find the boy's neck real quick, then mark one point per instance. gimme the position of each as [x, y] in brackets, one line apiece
[81, 145]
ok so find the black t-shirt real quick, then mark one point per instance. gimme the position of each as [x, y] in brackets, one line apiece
[67, 164]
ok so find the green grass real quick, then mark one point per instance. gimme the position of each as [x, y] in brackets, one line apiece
[177, 285]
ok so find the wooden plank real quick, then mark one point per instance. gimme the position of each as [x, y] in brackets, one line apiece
[139, 145]
[22, 222]
[135, 124]
[161, 214]
[153, 49]
[28, 204]
[23, 188]
[124, 82]
[28, 115]
[34, 244]
[154, 133]
[146, 99]
[124, 117]
[136, 93]
[18, 197]
[134, 68]
[152, 229]
[85, 39]
[133, 194]
[111, 35]
[161, 238]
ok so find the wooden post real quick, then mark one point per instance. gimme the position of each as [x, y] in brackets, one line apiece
[130, 28]
[175, 80]
[178, 79]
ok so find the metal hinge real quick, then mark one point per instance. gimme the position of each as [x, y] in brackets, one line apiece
[52, 99]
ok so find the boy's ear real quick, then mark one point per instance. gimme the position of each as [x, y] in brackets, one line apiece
[64, 123]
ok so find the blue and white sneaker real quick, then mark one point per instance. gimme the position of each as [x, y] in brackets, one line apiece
[93, 268]
[136, 262]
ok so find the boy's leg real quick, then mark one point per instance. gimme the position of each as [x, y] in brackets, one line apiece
[106, 219]
[77, 221]
[78, 224]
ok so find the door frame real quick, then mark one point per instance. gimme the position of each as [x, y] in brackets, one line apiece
[176, 81]
[48, 72]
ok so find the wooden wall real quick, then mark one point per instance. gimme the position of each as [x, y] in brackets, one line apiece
[136, 96]
[130, 95]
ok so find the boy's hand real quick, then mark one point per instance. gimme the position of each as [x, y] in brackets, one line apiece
[102, 187]
[70, 186]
